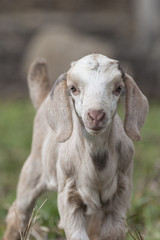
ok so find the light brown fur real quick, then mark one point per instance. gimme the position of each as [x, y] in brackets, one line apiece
[64, 157]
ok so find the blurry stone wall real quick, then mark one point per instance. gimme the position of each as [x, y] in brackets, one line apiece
[63, 31]
[61, 5]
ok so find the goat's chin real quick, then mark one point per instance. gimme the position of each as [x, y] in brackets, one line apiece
[95, 131]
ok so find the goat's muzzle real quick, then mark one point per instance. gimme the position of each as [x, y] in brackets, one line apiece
[96, 120]
[96, 116]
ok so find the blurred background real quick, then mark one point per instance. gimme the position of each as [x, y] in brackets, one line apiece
[63, 31]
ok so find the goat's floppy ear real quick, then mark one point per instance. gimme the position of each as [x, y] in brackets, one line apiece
[136, 109]
[58, 109]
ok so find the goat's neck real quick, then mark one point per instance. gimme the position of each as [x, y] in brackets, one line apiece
[97, 143]
[93, 143]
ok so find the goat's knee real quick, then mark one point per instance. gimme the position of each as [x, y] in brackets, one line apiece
[73, 223]
[71, 209]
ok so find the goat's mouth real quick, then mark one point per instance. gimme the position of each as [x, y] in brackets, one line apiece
[95, 130]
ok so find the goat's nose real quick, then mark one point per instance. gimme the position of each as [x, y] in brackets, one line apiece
[96, 115]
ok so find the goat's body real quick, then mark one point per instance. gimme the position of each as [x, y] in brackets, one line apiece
[68, 170]
[92, 173]
[50, 155]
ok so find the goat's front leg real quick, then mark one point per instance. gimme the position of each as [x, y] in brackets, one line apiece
[114, 222]
[71, 209]
[113, 227]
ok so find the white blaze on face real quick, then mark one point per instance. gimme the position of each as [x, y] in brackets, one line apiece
[95, 78]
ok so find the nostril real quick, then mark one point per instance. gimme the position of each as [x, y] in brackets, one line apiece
[96, 115]
[100, 116]
[90, 116]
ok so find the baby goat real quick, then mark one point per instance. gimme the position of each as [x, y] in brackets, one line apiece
[81, 148]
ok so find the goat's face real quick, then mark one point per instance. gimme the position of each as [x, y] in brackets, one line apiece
[95, 83]
[92, 88]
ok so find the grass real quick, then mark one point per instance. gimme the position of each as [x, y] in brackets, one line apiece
[16, 119]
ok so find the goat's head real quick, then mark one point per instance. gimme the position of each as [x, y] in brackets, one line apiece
[92, 88]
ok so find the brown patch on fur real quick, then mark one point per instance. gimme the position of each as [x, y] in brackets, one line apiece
[95, 68]
[119, 147]
[99, 160]
[96, 65]
[75, 198]
[125, 155]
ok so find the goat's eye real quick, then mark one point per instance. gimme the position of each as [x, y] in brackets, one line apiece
[74, 90]
[117, 90]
